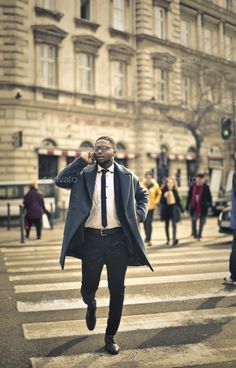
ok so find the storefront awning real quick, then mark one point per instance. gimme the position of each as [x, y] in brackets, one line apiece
[75, 153]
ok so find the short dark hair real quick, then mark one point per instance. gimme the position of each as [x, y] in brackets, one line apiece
[109, 139]
[148, 173]
[201, 176]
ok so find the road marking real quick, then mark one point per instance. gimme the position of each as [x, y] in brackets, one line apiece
[27, 249]
[31, 288]
[167, 261]
[43, 330]
[75, 303]
[77, 267]
[167, 357]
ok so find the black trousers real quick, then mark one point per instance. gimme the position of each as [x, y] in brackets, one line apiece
[232, 260]
[109, 250]
[202, 220]
[38, 225]
[148, 225]
[174, 227]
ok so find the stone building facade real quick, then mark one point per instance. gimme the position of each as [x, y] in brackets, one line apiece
[71, 71]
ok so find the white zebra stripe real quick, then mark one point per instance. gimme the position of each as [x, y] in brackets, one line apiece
[75, 303]
[174, 356]
[31, 288]
[43, 330]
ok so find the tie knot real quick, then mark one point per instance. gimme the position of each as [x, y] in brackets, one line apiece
[104, 171]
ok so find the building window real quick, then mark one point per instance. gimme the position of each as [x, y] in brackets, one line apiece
[186, 91]
[208, 39]
[47, 4]
[160, 22]
[48, 63]
[185, 33]
[231, 5]
[85, 9]
[228, 47]
[119, 14]
[86, 73]
[161, 84]
[119, 78]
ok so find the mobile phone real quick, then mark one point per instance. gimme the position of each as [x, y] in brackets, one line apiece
[93, 158]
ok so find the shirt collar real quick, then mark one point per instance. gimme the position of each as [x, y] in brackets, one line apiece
[111, 168]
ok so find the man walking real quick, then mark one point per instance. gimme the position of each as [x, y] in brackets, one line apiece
[106, 203]
[231, 280]
[198, 201]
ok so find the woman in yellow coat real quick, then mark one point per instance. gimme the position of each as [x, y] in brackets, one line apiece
[154, 192]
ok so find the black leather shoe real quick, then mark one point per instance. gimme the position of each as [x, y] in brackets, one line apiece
[110, 346]
[91, 316]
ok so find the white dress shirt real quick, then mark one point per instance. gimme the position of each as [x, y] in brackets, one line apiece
[95, 218]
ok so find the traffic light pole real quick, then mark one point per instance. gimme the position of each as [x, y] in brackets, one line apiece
[234, 133]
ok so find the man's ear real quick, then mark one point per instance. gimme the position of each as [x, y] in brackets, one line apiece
[115, 152]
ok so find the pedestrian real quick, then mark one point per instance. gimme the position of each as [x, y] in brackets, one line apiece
[34, 208]
[154, 192]
[231, 280]
[198, 202]
[171, 208]
[106, 203]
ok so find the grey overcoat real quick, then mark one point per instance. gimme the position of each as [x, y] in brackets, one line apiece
[80, 178]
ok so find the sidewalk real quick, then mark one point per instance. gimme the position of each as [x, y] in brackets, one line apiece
[210, 234]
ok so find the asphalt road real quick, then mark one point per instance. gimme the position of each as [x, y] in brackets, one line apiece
[181, 315]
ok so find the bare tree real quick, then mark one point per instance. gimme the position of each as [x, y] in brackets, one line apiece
[208, 95]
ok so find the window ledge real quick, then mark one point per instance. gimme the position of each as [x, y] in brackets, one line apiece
[87, 98]
[42, 12]
[49, 93]
[84, 23]
[117, 32]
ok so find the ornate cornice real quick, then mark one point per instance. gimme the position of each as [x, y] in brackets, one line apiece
[87, 43]
[120, 52]
[42, 12]
[49, 34]
[162, 3]
[117, 33]
[84, 23]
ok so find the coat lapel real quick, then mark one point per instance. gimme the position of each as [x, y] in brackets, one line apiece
[124, 178]
[90, 178]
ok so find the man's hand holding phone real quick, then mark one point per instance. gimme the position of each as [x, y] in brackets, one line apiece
[88, 157]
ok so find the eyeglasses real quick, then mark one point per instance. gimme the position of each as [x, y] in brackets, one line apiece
[102, 148]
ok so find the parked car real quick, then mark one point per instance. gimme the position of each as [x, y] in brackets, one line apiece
[219, 204]
[224, 221]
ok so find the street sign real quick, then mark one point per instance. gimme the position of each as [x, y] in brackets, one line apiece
[17, 139]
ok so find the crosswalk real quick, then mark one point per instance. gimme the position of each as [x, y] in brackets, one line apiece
[169, 318]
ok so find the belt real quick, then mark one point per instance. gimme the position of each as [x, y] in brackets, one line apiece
[103, 232]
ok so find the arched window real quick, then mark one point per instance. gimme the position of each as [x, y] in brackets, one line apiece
[47, 163]
[48, 143]
[86, 146]
[191, 165]
[121, 159]
[162, 164]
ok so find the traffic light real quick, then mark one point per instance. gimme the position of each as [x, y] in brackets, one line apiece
[226, 128]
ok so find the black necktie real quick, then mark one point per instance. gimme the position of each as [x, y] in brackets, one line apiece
[103, 198]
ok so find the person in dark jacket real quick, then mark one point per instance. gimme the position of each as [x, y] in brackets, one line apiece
[106, 203]
[34, 209]
[170, 208]
[231, 280]
[198, 201]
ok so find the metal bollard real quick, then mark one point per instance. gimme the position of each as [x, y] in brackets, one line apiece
[8, 216]
[63, 211]
[22, 235]
[52, 216]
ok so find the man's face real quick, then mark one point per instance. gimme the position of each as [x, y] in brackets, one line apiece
[199, 181]
[103, 151]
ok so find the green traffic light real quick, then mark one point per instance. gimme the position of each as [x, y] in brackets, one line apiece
[226, 133]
